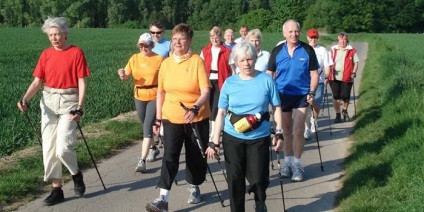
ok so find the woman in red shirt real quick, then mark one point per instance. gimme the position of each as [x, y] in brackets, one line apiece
[62, 70]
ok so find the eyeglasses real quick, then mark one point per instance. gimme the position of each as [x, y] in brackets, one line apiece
[143, 46]
[157, 33]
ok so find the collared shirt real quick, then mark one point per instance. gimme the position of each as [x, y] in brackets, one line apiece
[293, 73]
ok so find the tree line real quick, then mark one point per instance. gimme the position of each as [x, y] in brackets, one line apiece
[268, 15]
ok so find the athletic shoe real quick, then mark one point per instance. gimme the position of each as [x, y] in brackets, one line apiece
[79, 186]
[345, 115]
[55, 197]
[307, 134]
[297, 173]
[314, 125]
[195, 196]
[158, 205]
[141, 166]
[260, 207]
[286, 171]
[338, 118]
[152, 154]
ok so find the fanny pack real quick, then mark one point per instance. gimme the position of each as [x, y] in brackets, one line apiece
[241, 124]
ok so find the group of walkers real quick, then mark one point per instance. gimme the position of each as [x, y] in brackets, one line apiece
[221, 95]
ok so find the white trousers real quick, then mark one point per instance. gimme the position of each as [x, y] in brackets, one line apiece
[59, 133]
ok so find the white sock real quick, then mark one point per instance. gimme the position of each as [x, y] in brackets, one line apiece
[165, 194]
[287, 160]
[297, 161]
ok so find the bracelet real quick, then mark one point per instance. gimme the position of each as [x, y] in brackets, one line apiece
[279, 130]
[158, 120]
[213, 145]
[311, 93]
[195, 109]
[279, 136]
[77, 112]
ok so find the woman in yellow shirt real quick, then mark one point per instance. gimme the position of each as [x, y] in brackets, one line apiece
[182, 79]
[144, 68]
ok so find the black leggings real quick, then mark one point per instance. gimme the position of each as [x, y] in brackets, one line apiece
[341, 90]
[213, 99]
[175, 135]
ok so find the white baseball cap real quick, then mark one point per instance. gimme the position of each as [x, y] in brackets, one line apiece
[145, 38]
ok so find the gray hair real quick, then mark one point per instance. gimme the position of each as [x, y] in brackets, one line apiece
[244, 49]
[254, 33]
[57, 22]
[291, 20]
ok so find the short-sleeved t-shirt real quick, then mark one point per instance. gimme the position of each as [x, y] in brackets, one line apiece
[61, 68]
[324, 60]
[162, 48]
[181, 82]
[248, 97]
[145, 71]
[293, 73]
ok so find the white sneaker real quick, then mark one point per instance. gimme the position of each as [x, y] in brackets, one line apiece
[307, 134]
[141, 166]
[195, 196]
[314, 125]
[152, 155]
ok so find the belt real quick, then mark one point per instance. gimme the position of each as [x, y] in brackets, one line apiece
[146, 87]
[214, 71]
[51, 90]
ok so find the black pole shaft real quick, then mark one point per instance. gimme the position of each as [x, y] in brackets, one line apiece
[91, 156]
[193, 128]
[281, 180]
[354, 97]
[328, 108]
[316, 136]
[33, 129]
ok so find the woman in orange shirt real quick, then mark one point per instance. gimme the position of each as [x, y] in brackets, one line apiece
[144, 68]
[182, 79]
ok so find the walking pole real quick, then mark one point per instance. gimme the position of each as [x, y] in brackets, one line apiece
[33, 129]
[281, 180]
[199, 144]
[328, 108]
[270, 147]
[88, 149]
[316, 136]
[279, 172]
[354, 97]
[31, 123]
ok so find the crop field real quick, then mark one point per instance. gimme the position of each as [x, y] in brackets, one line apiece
[106, 50]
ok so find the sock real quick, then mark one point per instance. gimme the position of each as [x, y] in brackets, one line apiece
[164, 194]
[287, 160]
[338, 115]
[297, 161]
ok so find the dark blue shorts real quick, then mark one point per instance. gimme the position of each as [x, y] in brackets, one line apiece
[289, 102]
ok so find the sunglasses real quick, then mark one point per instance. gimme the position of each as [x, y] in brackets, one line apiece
[157, 33]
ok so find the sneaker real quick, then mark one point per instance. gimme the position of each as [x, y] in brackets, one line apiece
[260, 207]
[345, 115]
[55, 197]
[141, 166]
[286, 171]
[314, 125]
[152, 155]
[158, 205]
[195, 196]
[307, 134]
[338, 118]
[79, 186]
[297, 173]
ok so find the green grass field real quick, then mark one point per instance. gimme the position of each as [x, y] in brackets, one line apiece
[384, 171]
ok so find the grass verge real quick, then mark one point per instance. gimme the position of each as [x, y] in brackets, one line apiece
[384, 171]
[23, 180]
